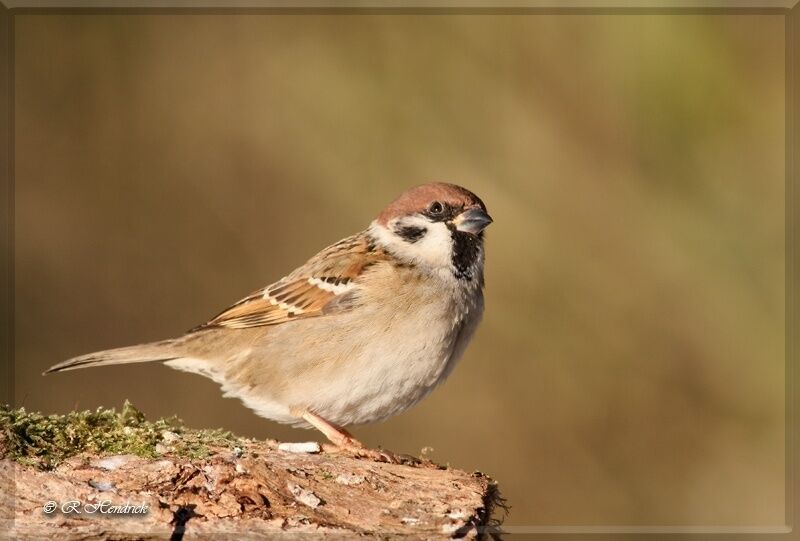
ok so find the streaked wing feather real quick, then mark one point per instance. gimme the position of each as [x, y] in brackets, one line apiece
[314, 289]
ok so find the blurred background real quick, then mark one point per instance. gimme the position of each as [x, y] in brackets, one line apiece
[630, 367]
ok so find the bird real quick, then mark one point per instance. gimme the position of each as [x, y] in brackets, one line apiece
[362, 331]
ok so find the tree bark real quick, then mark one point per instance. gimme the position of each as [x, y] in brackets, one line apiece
[250, 492]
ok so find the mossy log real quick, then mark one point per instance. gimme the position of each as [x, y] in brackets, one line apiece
[187, 484]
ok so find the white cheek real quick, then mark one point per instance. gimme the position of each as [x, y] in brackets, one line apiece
[434, 249]
[436, 246]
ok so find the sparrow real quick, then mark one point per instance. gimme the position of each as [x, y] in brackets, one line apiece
[362, 331]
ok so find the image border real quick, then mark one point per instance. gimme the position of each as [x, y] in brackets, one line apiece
[790, 9]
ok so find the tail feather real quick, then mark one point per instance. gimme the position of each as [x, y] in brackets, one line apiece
[143, 353]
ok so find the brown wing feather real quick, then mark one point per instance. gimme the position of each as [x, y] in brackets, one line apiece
[306, 292]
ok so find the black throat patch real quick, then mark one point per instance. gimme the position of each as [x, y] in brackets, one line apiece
[466, 251]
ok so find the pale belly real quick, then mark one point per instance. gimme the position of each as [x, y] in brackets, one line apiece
[361, 379]
[384, 379]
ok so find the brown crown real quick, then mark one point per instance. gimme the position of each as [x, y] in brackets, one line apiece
[418, 198]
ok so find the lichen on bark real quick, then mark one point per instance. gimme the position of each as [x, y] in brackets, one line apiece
[44, 441]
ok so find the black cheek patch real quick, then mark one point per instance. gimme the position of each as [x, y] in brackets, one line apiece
[410, 233]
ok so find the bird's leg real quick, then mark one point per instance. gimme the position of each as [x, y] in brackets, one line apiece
[336, 434]
[342, 439]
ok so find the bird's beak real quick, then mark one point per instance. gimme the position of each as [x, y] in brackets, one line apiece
[472, 220]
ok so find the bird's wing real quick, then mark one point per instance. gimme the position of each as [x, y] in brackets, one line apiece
[318, 287]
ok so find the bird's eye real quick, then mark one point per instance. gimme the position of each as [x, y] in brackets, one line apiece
[436, 208]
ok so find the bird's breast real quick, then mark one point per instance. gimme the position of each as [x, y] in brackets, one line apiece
[408, 343]
[366, 363]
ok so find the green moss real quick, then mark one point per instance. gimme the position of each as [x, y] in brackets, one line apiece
[44, 441]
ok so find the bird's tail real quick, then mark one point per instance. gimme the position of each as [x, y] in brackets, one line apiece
[165, 350]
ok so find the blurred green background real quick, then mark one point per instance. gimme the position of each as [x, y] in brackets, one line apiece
[630, 367]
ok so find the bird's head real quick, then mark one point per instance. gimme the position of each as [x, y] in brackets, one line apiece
[436, 225]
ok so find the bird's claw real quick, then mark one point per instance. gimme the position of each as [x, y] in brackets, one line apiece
[358, 450]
